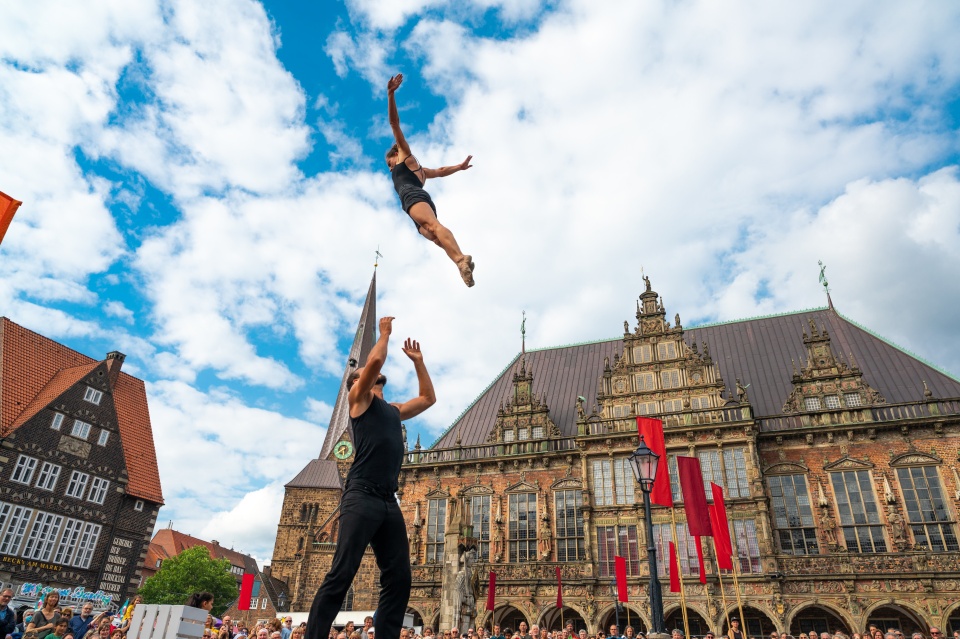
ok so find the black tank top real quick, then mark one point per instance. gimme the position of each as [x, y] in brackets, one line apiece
[378, 435]
[404, 175]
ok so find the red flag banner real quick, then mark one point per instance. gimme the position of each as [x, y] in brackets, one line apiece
[694, 497]
[674, 569]
[492, 591]
[721, 529]
[559, 590]
[8, 206]
[246, 591]
[620, 569]
[703, 569]
[652, 432]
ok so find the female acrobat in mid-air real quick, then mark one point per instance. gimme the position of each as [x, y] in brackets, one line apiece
[408, 178]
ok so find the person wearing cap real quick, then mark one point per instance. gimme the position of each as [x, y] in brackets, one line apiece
[734, 632]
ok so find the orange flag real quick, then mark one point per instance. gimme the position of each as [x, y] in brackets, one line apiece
[8, 206]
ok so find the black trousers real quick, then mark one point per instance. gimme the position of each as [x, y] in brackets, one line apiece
[366, 517]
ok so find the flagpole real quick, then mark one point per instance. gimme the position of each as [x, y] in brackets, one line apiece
[736, 584]
[723, 597]
[683, 595]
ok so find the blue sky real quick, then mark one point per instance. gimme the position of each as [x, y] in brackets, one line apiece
[204, 190]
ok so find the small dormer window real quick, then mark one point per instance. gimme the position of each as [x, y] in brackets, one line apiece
[538, 432]
[524, 434]
[93, 396]
[57, 421]
[508, 435]
[138, 506]
[852, 399]
[832, 401]
[666, 350]
[811, 403]
[641, 354]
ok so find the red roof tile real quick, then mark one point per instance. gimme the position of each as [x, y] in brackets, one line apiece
[35, 370]
[173, 542]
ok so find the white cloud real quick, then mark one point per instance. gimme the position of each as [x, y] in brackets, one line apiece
[319, 411]
[250, 524]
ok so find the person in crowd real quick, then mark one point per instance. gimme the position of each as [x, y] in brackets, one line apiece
[601, 634]
[276, 634]
[100, 631]
[226, 628]
[202, 600]
[615, 631]
[534, 631]
[936, 634]
[677, 634]
[629, 632]
[367, 625]
[582, 634]
[296, 633]
[68, 635]
[44, 620]
[59, 629]
[80, 624]
[287, 628]
[263, 633]
[428, 632]
[371, 631]
[8, 616]
[66, 613]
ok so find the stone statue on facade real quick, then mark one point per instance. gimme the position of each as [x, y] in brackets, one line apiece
[545, 542]
[741, 392]
[466, 602]
[415, 541]
[897, 529]
[829, 529]
[497, 553]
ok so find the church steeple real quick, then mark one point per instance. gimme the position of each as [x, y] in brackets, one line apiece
[363, 341]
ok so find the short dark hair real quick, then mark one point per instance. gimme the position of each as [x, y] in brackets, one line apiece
[393, 150]
[354, 376]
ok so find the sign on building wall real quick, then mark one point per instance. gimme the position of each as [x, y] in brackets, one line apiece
[115, 571]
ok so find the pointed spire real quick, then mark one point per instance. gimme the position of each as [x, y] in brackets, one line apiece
[888, 492]
[363, 341]
[821, 498]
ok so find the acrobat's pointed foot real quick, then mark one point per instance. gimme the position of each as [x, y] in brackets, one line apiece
[465, 264]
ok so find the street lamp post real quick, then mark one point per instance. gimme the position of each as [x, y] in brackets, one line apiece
[644, 463]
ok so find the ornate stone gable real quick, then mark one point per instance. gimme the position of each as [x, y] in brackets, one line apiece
[826, 382]
[848, 463]
[658, 372]
[525, 416]
[915, 458]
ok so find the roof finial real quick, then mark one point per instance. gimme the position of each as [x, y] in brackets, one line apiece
[523, 334]
[377, 256]
[825, 283]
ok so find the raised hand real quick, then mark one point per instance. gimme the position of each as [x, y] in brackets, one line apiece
[394, 83]
[466, 163]
[411, 349]
[386, 325]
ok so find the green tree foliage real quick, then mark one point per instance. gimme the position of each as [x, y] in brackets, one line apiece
[192, 571]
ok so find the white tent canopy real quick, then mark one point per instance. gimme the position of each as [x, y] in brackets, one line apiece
[356, 616]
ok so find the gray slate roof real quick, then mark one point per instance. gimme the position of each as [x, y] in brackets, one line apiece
[758, 351]
[318, 473]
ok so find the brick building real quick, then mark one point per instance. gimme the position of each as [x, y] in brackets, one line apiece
[265, 602]
[837, 451]
[79, 484]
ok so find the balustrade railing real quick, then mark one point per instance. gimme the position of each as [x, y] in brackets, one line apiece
[862, 415]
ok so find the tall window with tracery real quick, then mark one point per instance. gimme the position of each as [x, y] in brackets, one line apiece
[927, 511]
[569, 510]
[436, 528]
[617, 540]
[613, 482]
[480, 520]
[522, 527]
[859, 515]
[793, 515]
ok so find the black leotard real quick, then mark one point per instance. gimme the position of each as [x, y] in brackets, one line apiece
[409, 187]
[378, 435]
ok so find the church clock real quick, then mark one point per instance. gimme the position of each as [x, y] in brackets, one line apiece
[343, 450]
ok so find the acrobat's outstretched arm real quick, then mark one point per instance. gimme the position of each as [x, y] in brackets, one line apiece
[392, 85]
[444, 171]
[426, 397]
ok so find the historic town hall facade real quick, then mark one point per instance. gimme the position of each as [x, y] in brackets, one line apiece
[837, 451]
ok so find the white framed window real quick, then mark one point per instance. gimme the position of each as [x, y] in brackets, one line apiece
[42, 535]
[93, 396]
[647, 408]
[537, 432]
[710, 469]
[811, 403]
[19, 519]
[670, 378]
[57, 421]
[642, 354]
[832, 401]
[852, 399]
[699, 403]
[263, 604]
[49, 474]
[23, 471]
[672, 405]
[78, 484]
[254, 602]
[666, 350]
[508, 435]
[104, 437]
[80, 429]
[436, 528]
[644, 382]
[71, 532]
[613, 482]
[98, 490]
[523, 433]
[86, 545]
[138, 505]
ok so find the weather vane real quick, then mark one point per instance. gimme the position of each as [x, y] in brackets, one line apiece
[378, 255]
[523, 333]
[823, 277]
